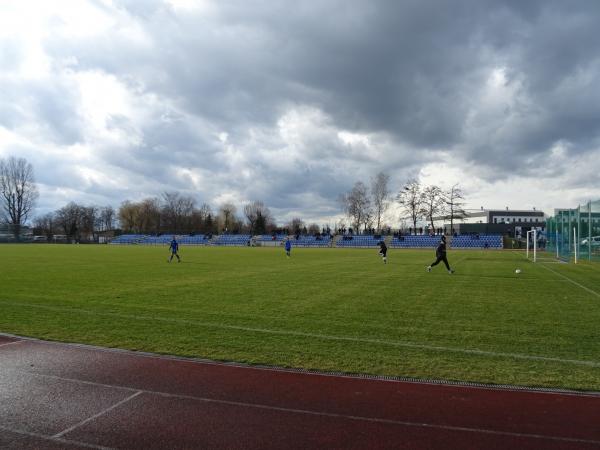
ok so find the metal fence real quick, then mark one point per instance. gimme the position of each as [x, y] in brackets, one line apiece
[574, 234]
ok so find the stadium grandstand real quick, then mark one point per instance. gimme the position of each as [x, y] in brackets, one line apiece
[269, 240]
[165, 239]
[359, 241]
[311, 241]
[233, 240]
[414, 241]
[474, 240]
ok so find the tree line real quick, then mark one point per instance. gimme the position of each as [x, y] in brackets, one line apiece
[173, 212]
[366, 206]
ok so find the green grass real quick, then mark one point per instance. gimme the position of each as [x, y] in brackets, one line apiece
[326, 309]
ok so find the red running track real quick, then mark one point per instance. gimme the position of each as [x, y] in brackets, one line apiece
[61, 396]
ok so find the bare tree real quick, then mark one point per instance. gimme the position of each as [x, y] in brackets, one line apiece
[89, 219]
[380, 194]
[70, 218]
[199, 216]
[128, 213]
[107, 218]
[368, 219]
[339, 226]
[258, 216]
[295, 225]
[433, 203]
[357, 204]
[227, 213]
[454, 205]
[142, 217]
[149, 216]
[207, 217]
[177, 211]
[314, 228]
[45, 225]
[204, 211]
[410, 199]
[18, 191]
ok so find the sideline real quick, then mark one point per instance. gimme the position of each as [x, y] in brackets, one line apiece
[315, 372]
[400, 344]
[591, 291]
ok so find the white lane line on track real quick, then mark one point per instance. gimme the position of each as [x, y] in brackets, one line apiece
[53, 439]
[95, 416]
[314, 413]
[10, 343]
[570, 280]
[413, 345]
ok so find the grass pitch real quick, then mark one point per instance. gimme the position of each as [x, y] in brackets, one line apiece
[325, 309]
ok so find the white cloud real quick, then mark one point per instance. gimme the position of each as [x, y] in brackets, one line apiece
[291, 104]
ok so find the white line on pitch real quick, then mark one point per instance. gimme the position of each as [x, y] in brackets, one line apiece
[437, 348]
[424, 381]
[591, 291]
[95, 416]
[313, 413]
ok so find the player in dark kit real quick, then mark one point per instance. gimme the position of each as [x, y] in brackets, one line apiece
[383, 251]
[440, 253]
[174, 247]
[288, 247]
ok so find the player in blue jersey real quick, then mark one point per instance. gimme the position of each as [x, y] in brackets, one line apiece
[288, 247]
[174, 247]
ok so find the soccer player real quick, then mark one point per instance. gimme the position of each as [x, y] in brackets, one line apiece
[174, 247]
[440, 254]
[288, 247]
[383, 251]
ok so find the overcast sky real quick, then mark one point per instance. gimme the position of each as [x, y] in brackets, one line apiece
[291, 102]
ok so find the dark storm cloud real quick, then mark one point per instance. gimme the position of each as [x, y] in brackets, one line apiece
[489, 83]
[410, 69]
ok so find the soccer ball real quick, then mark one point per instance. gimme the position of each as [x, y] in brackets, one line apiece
[518, 271]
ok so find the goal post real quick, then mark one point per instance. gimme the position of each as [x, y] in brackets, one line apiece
[532, 244]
